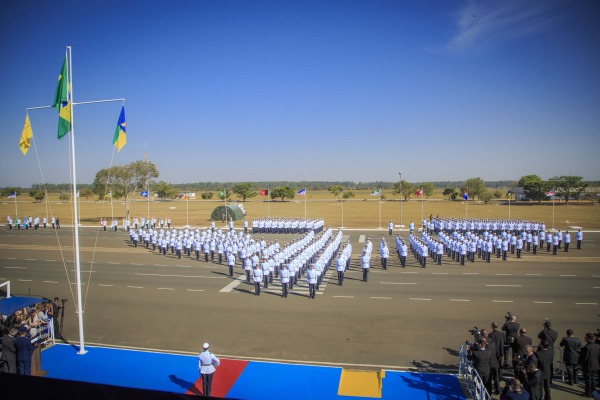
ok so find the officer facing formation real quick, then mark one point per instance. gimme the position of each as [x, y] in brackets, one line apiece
[207, 362]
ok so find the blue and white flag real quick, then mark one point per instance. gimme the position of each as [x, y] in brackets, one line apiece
[12, 195]
[302, 192]
[466, 195]
[144, 193]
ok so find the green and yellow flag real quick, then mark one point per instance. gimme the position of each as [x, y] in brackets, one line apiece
[26, 136]
[120, 133]
[62, 102]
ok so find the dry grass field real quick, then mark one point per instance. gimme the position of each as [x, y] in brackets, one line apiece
[361, 212]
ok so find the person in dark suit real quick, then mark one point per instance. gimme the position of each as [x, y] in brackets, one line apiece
[494, 362]
[511, 327]
[499, 339]
[545, 365]
[534, 381]
[9, 352]
[514, 391]
[549, 335]
[572, 346]
[481, 357]
[519, 345]
[24, 351]
[589, 358]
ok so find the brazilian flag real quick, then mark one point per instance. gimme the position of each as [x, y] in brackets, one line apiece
[62, 102]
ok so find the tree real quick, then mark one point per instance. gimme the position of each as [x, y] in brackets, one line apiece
[475, 187]
[64, 196]
[486, 196]
[38, 195]
[428, 189]
[348, 195]
[567, 186]
[124, 180]
[244, 190]
[225, 194]
[86, 193]
[336, 190]
[407, 190]
[282, 192]
[207, 195]
[449, 192]
[497, 194]
[165, 190]
[534, 186]
[10, 190]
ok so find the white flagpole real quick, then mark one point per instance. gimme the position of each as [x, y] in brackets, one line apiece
[225, 198]
[16, 209]
[421, 205]
[553, 211]
[467, 205]
[187, 202]
[268, 203]
[509, 206]
[379, 208]
[342, 214]
[305, 196]
[75, 208]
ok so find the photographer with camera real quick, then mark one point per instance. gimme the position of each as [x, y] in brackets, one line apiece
[481, 356]
[511, 327]
[514, 391]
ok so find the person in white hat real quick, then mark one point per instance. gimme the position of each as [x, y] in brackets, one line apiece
[207, 362]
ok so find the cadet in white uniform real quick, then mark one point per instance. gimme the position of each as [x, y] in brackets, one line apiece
[207, 362]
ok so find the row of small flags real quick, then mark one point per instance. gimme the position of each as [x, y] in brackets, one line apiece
[62, 104]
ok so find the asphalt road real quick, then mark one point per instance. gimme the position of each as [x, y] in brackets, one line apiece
[413, 317]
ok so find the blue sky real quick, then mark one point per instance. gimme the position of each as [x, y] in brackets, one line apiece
[307, 90]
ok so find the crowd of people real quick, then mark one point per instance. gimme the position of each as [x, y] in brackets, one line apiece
[533, 367]
[286, 225]
[24, 330]
[30, 222]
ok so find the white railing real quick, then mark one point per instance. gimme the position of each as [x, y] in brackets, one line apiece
[470, 376]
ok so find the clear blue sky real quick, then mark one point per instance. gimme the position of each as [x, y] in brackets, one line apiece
[308, 90]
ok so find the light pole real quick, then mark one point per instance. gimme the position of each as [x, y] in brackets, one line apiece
[400, 173]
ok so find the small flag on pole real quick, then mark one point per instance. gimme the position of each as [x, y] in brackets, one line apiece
[144, 193]
[419, 192]
[508, 193]
[13, 195]
[62, 98]
[302, 192]
[550, 192]
[120, 137]
[376, 192]
[263, 192]
[26, 136]
[466, 195]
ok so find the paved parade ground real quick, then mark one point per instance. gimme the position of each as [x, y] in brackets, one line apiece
[400, 319]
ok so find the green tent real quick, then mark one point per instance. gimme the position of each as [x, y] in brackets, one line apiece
[232, 212]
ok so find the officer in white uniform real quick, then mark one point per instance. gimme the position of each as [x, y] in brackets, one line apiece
[207, 362]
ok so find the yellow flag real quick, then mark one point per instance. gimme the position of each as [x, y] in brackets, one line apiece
[26, 136]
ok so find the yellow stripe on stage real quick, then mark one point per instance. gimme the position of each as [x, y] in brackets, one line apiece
[361, 383]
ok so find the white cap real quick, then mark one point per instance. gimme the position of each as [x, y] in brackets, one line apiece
[205, 346]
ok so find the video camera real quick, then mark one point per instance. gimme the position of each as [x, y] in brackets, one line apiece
[476, 338]
[508, 316]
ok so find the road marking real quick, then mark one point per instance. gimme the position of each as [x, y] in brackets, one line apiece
[195, 290]
[183, 276]
[398, 283]
[165, 288]
[136, 264]
[459, 300]
[410, 272]
[533, 274]
[75, 283]
[25, 280]
[503, 274]
[15, 267]
[183, 266]
[470, 273]
[231, 285]
[596, 287]
[361, 239]
[504, 285]
[50, 282]
[105, 285]
[439, 273]
[345, 297]
[567, 275]
[595, 276]
[135, 287]
[381, 298]
[10, 258]
[31, 259]
[113, 263]
[543, 302]
[159, 265]
[588, 304]
[74, 270]
[419, 299]
[502, 301]
[50, 260]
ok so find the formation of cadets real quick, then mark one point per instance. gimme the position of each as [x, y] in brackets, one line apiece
[29, 222]
[311, 254]
[286, 225]
[463, 240]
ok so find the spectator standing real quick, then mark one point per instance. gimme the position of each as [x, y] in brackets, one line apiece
[24, 351]
[9, 352]
[572, 346]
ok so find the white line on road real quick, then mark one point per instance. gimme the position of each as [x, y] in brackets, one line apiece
[50, 282]
[113, 263]
[74, 270]
[361, 239]
[10, 258]
[567, 275]
[183, 266]
[595, 276]
[195, 290]
[24, 280]
[502, 301]
[596, 287]
[165, 288]
[50, 260]
[75, 283]
[345, 297]
[136, 264]
[543, 302]
[31, 259]
[182, 276]
[439, 273]
[410, 272]
[459, 300]
[587, 304]
[470, 273]
[381, 298]
[232, 285]
[504, 285]
[419, 299]
[135, 287]
[398, 283]
[533, 274]
[159, 265]
[105, 285]
[503, 274]
[15, 267]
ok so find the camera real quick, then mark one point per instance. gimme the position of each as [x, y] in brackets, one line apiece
[508, 316]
